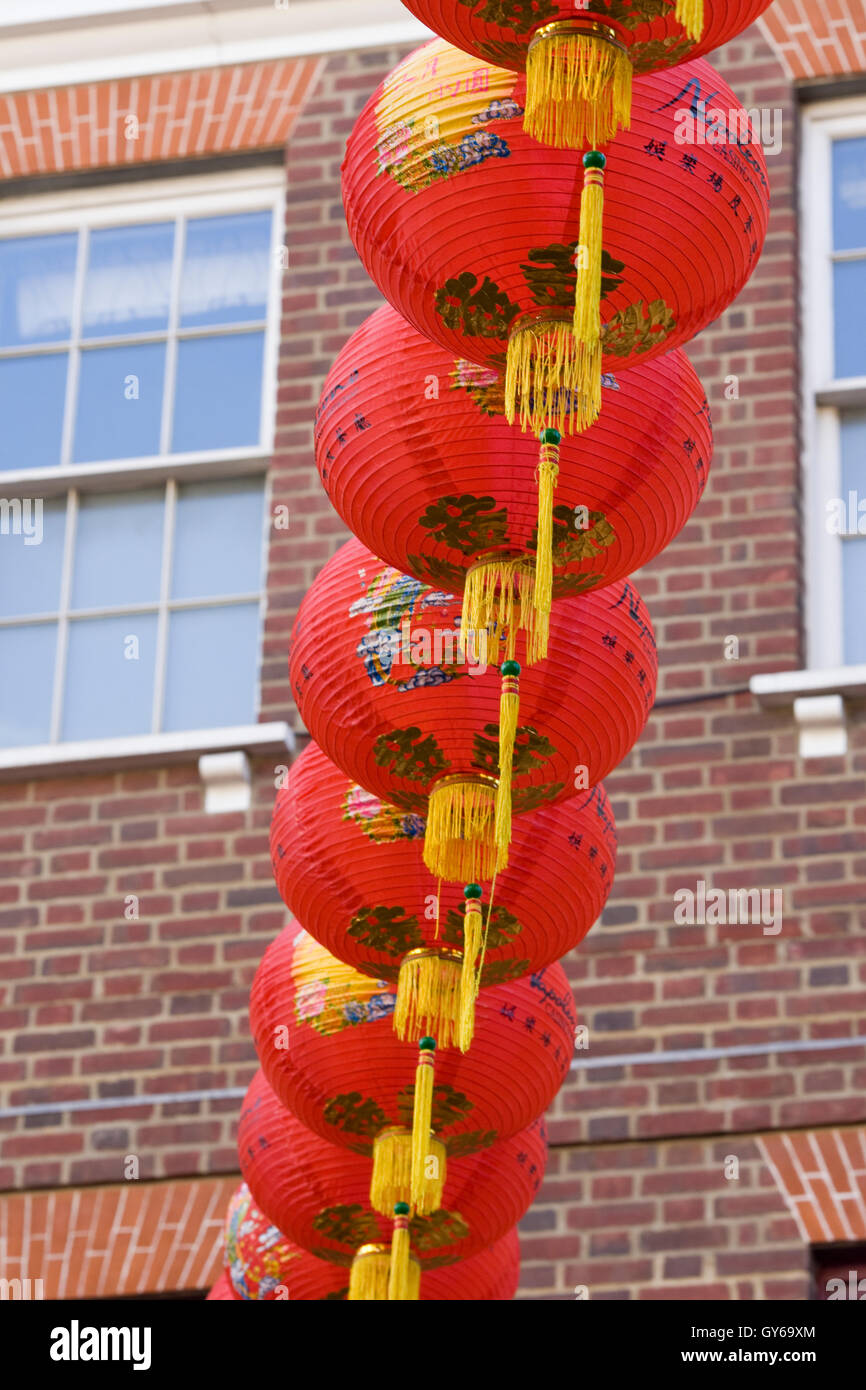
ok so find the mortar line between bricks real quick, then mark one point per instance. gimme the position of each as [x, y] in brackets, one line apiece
[634, 1059]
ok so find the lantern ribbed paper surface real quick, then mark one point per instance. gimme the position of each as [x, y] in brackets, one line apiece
[327, 1046]
[317, 1193]
[398, 729]
[351, 871]
[400, 418]
[470, 228]
[263, 1265]
[501, 30]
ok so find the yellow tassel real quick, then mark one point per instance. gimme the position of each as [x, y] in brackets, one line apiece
[543, 374]
[509, 710]
[428, 995]
[472, 932]
[587, 293]
[392, 1172]
[548, 474]
[690, 14]
[500, 595]
[368, 1280]
[398, 1274]
[458, 837]
[578, 84]
[422, 1115]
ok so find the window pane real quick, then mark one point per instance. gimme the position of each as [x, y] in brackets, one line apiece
[37, 276]
[218, 539]
[27, 667]
[225, 269]
[31, 557]
[109, 676]
[32, 393]
[852, 438]
[849, 296]
[128, 280]
[118, 549]
[854, 588]
[119, 402]
[218, 392]
[212, 674]
[849, 194]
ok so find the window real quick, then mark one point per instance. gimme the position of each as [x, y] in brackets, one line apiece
[839, 1272]
[834, 338]
[137, 347]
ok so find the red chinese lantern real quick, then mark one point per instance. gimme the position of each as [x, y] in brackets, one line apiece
[317, 1193]
[351, 871]
[405, 708]
[263, 1265]
[475, 232]
[399, 417]
[579, 59]
[326, 1044]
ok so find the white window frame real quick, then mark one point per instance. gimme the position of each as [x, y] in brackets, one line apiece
[158, 201]
[823, 396]
[106, 205]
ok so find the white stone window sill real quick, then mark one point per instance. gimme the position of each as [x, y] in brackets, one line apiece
[818, 699]
[221, 755]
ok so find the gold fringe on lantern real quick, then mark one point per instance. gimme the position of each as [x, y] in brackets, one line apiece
[422, 1117]
[587, 293]
[392, 1172]
[472, 936]
[543, 374]
[398, 1272]
[368, 1279]
[509, 711]
[548, 474]
[458, 838]
[500, 594]
[690, 14]
[428, 995]
[578, 83]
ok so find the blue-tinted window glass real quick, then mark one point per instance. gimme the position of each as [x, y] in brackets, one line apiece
[26, 683]
[854, 589]
[218, 392]
[31, 557]
[212, 669]
[128, 281]
[849, 194]
[37, 279]
[225, 269]
[109, 676]
[32, 394]
[118, 549]
[119, 402]
[218, 539]
[849, 302]
[852, 438]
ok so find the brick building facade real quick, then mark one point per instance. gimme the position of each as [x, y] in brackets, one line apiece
[706, 1171]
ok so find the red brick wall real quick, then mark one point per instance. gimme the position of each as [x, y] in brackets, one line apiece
[636, 1203]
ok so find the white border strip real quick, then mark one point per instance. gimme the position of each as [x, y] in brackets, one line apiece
[97, 52]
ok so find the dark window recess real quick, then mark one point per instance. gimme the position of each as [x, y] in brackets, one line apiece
[839, 1273]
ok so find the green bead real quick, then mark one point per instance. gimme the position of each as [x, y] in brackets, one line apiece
[510, 668]
[401, 1208]
[427, 1045]
[594, 159]
[550, 436]
[472, 890]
